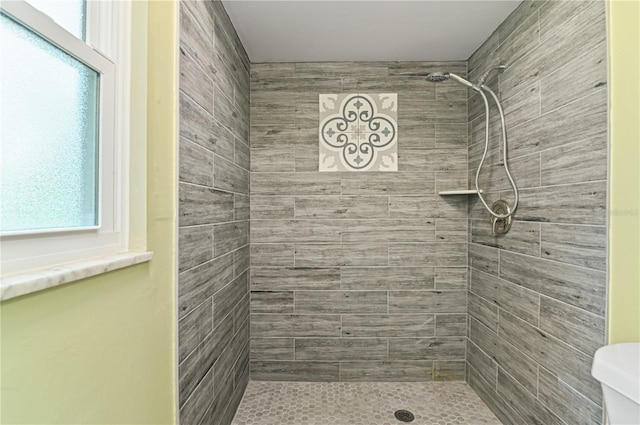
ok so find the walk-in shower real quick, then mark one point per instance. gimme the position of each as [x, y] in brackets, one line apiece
[500, 210]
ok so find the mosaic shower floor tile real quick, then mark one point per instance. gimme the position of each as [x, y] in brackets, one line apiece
[361, 403]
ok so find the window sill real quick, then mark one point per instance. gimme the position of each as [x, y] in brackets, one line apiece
[37, 280]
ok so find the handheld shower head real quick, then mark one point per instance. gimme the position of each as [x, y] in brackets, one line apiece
[437, 77]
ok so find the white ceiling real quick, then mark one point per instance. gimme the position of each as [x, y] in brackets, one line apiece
[365, 30]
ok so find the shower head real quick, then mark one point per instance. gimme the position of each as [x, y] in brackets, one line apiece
[437, 77]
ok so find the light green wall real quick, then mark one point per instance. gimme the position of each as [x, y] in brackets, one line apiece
[624, 230]
[101, 350]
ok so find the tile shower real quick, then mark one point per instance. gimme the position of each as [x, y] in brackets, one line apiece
[357, 275]
[371, 276]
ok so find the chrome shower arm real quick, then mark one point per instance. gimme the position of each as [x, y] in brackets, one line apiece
[484, 77]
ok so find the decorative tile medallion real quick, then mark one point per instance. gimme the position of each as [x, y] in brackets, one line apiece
[358, 132]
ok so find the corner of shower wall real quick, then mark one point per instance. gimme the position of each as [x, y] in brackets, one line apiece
[537, 295]
[213, 281]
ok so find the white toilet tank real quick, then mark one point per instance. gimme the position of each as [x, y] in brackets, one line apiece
[617, 367]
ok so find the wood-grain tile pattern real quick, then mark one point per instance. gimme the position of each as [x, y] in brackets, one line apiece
[537, 295]
[213, 245]
[344, 264]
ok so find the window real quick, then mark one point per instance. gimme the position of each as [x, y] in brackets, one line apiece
[63, 133]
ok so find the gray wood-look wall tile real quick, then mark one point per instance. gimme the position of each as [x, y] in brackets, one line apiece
[400, 183]
[449, 370]
[336, 302]
[241, 207]
[194, 82]
[525, 169]
[584, 331]
[272, 301]
[241, 312]
[214, 109]
[517, 17]
[403, 302]
[196, 37]
[388, 326]
[242, 154]
[523, 237]
[438, 348]
[413, 207]
[196, 246]
[570, 40]
[495, 402]
[225, 299]
[295, 278]
[391, 371]
[555, 102]
[215, 343]
[569, 364]
[426, 254]
[272, 70]
[484, 258]
[509, 358]
[583, 203]
[336, 207]
[586, 73]
[451, 278]
[299, 325]
[229, 176]
[333, 255]
[483, 311]
[224, 365]
[194, 327]
[341, 69]
[451, 324]
[580, 287]
[521, 40]
[276, 159]
[228, 237]
[576, 162]
[580, 245]
[295, 184]
[199, 283]
[195, 408]
[570, 123]
[386, 278]
[567, 403]
[524, 403]
[240, 260]
[202, 205]
[272, 348]
[295, 371]
[422, 68]
[221, 401]
[341, 349]
[272, 254]
[381, 231]
[509, 296]
[555, 14]
[189, 375]
[482, 364]
[285, 278]
[266, 207]
[195, 122]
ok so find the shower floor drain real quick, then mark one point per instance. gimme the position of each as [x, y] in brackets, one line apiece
[404, 416]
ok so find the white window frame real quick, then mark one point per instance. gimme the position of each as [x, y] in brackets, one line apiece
[107, 50]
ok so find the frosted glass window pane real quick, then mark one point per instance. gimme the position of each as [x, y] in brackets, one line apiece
[69, 14]
[48, 135]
